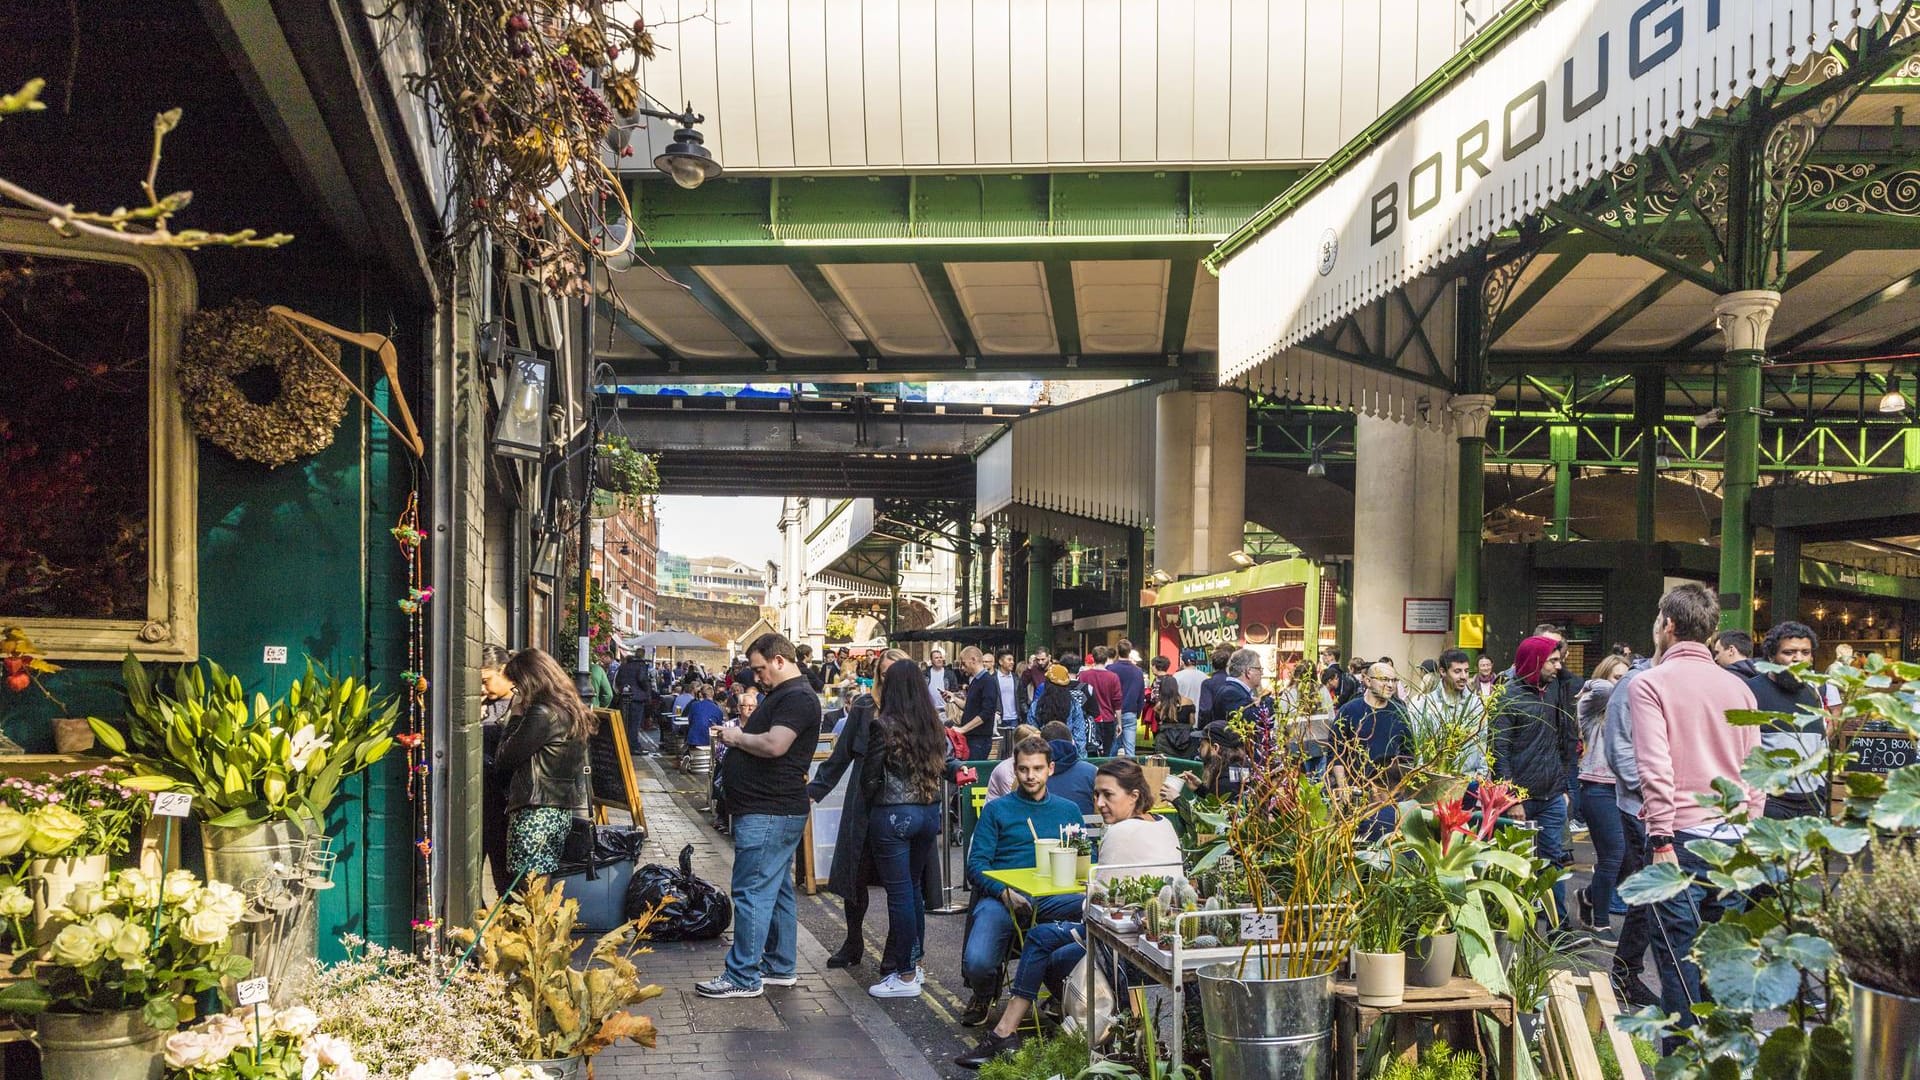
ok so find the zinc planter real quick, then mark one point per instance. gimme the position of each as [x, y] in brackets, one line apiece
[1380, 979]
[566, 1068]
[1430, 960]
[1886, 1034]
[98, 1046]
[54, 881]
[251, 855]
[1267, 1029]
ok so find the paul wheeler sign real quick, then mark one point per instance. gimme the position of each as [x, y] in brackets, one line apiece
[1586, 86]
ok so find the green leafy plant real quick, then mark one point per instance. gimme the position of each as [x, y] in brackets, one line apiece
[1134, 891]
[1776, 954]
[1040, 1059]
[132, 942]
[1873, 919]
[631, 475]
[1394, 903]
[1437, 1062]
[562, 1011]
[248, 762]
[1158, 1068]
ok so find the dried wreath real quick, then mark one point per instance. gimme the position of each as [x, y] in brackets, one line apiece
[302, 417]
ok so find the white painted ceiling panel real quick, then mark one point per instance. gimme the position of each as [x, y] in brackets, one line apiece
[1007, 306]
[827, 84]
[1203, 319]
[1682, 311]
[774, 302]
[891, 303]
[1121, 305]
[1855, 276]
[1596, 287]
[668, 312]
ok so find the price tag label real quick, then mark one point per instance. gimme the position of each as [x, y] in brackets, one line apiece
[1258, 927]
[276, 654]
[172, 803]
[251, 991]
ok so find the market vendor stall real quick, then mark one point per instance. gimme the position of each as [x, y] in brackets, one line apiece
[1264, 608]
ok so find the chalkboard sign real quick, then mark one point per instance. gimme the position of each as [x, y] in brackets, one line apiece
[611, 769]
[1880, 753]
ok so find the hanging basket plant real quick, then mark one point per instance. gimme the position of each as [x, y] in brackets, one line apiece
[527, 92]
[304, 411]
[632, 477]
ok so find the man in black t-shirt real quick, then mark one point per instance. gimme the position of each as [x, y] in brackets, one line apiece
[765, 777]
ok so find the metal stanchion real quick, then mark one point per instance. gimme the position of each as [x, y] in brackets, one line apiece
[947, 906]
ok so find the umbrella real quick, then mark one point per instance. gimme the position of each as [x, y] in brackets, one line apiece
[670, 639]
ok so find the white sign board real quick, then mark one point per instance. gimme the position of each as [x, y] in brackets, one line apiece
[251, 991]
[1426, 615]
[275, 654]
[1568, 98]
[839, 535]
[172, 803]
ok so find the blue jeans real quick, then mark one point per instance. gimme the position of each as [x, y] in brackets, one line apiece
[1047, 958]
[1636, 933]
[1609, 845]
[765, 922]
[1129, 730]
[902, 838]
[1550, 840]
[1678, 920]
[991, 934]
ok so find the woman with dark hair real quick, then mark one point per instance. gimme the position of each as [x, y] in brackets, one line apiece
[544, 755]
[1134, 836]
[496, 700]
[853, 868]
[901, 777]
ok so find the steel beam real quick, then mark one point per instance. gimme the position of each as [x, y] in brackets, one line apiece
[844, 428]
[629, 371]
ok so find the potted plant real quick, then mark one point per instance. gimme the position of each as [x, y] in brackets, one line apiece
[1394, 903]
[564, 1015]
[400, 1010]
[1077, 838]
[68, 826]
[1469, 865]
[103, 991]
[263, 774]
[1873, 922]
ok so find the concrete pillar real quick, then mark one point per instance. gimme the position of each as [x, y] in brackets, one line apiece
[815, 631]
[1200, 484]
[1405, 515]
[1470, 415]
[1744, 318]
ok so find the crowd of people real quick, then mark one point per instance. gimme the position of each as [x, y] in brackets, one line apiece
[1618, 755]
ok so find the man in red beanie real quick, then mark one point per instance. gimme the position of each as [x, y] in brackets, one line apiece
[1536, 743]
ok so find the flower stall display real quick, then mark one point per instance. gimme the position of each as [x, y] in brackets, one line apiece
[58, 831]
[564, 1014]
[121, 954]
[399, 1009]
[263, 1043]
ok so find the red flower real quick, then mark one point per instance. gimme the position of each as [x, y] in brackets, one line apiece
[1495, 799]
[1454, 818]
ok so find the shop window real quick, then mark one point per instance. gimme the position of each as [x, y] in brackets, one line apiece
[98, 548]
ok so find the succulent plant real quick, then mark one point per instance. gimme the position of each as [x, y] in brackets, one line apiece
[1206, 941]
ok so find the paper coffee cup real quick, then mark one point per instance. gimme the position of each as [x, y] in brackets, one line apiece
[1173, 785]
[1066, 866]
[1040, 849]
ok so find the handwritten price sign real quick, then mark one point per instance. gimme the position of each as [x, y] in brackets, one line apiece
[1257, 927]
[172, 803]
[275, 654]
[251, 991]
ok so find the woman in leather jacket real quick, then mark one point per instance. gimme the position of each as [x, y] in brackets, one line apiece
[543, 756]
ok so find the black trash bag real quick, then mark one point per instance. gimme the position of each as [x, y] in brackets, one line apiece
[591, 847]
[696, 910]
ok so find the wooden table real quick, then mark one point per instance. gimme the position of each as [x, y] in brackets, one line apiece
[1458, 1003]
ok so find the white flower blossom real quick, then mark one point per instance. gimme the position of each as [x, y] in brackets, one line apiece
[306, 743]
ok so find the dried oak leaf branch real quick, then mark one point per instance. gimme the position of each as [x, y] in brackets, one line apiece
[146, 226]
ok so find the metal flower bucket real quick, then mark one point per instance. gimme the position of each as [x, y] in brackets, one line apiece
[280, 871]
[1267, 1029]
[1886, 1035]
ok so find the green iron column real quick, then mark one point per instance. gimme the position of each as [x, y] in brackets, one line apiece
[1343, 608]
[965, 553]
[1743, 317]
[1041, 552]
[1136, 584]
[1649, 407]
[1470, 412]
[1564, 444]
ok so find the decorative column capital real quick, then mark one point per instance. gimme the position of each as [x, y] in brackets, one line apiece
[1744, 318]
[1470, 414]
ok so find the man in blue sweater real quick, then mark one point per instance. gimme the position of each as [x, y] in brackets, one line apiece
[1003, 840]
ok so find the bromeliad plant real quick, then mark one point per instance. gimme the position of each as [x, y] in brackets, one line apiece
[248, 762]
[132, 942]
[1471, 865]
[563, 1011]
[1795, 880]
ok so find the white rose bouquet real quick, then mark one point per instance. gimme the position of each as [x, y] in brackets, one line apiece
[266, 1044]
[132, 942]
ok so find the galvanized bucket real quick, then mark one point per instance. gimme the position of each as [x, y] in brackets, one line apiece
[1886, 1035]
[1267, 1029]
[98, 1046]
[244, 858]
[566, 1068]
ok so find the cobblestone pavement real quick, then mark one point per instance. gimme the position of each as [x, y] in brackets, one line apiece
[825, 1027]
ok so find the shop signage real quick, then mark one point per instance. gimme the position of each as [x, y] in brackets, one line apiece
[1274, 575]
[1426, 615]
[846, 528]
[1880, 753]
[1576, 93]
[1209, 623]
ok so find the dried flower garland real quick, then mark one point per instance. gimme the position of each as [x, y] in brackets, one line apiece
[226, 342]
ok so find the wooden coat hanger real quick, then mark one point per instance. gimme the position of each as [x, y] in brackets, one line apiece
[378, 344]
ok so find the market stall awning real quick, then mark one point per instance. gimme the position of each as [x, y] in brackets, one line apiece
[1082, 471]
[1592, 140]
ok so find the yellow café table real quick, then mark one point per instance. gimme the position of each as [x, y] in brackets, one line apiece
[1028, 881]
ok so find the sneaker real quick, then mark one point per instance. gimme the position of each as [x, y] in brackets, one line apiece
[724, 987]
[895, 987]
[1636, 992]
[977, 1009]
[989, 1047]
[779, 980]
[1584, 903]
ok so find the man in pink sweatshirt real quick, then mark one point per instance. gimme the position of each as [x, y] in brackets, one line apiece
[1682, 742]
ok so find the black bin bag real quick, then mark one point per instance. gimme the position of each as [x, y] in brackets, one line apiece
[696, 909]
[591, 848]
